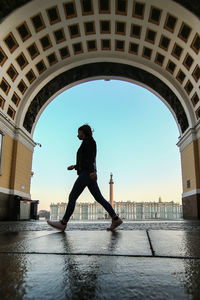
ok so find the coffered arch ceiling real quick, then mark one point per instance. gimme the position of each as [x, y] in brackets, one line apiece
[48, 46]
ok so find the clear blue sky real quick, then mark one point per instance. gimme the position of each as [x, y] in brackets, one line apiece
[136, 138]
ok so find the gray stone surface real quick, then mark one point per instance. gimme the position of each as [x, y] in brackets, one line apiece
[95, 277]
[176, 243]
[79, 242]
[15, 226]
[96, 264]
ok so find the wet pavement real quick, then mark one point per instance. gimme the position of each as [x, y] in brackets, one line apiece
[142, 260]
[101, 225]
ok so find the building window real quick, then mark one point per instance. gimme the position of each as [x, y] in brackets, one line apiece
[188, 184]
[1, 149]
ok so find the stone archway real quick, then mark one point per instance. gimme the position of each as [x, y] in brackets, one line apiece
[49, 46]
[104, 69]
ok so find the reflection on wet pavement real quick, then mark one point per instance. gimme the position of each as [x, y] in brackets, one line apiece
[83, 264]
[180, 243]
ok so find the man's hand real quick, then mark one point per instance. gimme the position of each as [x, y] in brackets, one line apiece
[93, 176]
[71, 168]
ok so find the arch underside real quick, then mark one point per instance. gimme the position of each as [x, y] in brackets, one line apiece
[104, 69]
[8, 6]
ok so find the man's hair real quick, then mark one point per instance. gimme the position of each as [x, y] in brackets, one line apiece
[86, 129]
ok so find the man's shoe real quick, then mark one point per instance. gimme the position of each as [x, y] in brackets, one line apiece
[57, 225]
[115, 223]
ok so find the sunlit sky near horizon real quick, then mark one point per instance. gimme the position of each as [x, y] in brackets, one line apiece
[136, 138]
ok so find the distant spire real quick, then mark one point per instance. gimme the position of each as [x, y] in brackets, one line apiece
[160, 199]
[111, 189]
[111, 178]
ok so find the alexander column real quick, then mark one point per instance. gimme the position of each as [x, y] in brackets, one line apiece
[111, 189]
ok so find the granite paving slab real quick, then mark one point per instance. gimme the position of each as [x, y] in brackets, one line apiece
[175, 243]
[82, 242]
[50, 277]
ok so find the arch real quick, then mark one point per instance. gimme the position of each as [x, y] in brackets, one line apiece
[49, 46]
[104, 69]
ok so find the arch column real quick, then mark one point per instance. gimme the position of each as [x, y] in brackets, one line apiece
[189, 146]
[15, 179]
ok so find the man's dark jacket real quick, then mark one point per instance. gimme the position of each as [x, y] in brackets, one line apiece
[86, 156]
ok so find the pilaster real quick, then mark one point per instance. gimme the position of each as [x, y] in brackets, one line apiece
[189, 146]
[15, 178]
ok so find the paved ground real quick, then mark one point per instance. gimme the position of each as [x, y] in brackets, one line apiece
[101, 225]
[96, 264]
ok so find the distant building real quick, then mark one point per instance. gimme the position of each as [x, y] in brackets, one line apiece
[127, 210]
[44, 214]
[54, 211]
[148, 210]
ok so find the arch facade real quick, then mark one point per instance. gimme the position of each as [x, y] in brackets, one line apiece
[49, 46]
